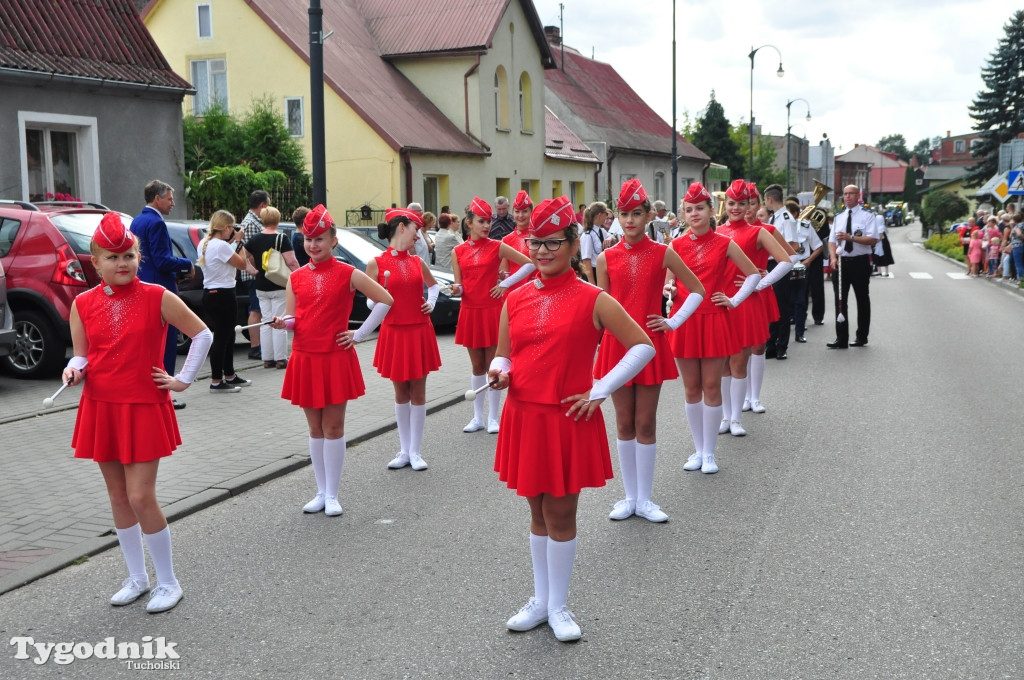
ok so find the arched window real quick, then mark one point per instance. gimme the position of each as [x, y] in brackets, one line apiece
[501, 99]
[526, 102]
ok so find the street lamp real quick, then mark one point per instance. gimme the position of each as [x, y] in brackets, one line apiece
[788, 128]
[780, 73]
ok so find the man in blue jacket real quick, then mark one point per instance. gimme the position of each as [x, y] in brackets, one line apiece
[158, 264]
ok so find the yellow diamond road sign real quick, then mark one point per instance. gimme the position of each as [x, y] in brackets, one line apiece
[1002, 190]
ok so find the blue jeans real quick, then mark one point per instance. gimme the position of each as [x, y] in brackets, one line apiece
[1018, 262]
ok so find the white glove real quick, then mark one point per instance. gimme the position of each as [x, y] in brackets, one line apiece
[749, 284]
[371, 323]
[635, 358]
[78, 363]
[501, 364]
[690, 305]
[370, 303]
[523, 272]
[432, 293]
[795, 257]
[201, 342]
[781, 269]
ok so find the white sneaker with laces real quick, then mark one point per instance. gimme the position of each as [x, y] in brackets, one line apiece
[563, 625]
[400, 460]
[417, 462]
[473, 426]
[723, 426]
[709, 467]
[131, 590]
[163, 598]
[623, 509]
[315, 505]
[746, 404]
[492, 426]
[531, 615]
[736, 430]
[694, 462]
[651, 512]
[756, 407]
[332, 508]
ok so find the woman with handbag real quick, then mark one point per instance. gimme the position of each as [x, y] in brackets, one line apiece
[273, 251]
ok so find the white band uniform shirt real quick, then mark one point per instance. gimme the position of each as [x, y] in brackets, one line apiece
[862, 224]
[784, 222]
[807, 240]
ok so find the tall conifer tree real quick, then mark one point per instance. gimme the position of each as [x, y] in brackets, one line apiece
[712, 137]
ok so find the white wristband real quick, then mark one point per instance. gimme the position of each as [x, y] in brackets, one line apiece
[749, 284]
[781, 270]
[520, 275]
[371, 323]
[501, 364]
[795, 257]
[78, 363]
[690, 305]
[635, 358]
[201, 342]
[432, 293]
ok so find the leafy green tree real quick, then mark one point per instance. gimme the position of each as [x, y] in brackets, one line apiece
[765, 167]
[712, 136]
[997, 110]
[943, 207]
[896, 144]
[910, 186]
[923, 149]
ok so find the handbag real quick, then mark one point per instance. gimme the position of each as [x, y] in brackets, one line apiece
[274, 267]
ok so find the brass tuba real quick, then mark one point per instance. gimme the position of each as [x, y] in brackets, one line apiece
[812, 213]
[720, 216]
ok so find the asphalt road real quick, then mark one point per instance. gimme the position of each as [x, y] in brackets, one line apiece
[868, 526]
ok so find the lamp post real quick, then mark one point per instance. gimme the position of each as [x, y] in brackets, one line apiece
[780, 73]
[788, 128]
[675, 151]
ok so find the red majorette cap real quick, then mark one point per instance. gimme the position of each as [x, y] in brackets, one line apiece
[481, 208]
[523, 201]
[696, 194]
[752, 191]
[632, 195]
[551, 215]
[738, 191]
[317, 221]
[412, 215]
[111, 234]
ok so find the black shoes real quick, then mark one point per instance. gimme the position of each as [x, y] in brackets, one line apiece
[837, 345]
[819, 323]
[859, 343]
[781, 355]
[769, 353]
[801, 338]
[178, 405]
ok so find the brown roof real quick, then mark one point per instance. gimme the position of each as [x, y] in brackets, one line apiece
[99, 39]
[561, 142]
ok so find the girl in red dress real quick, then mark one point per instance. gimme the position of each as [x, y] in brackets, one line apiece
[125, 417]
[406, 346]
[553, 441]
[633, 272]
[702, 344]
[749, 322]
[475, 266]
[521, 209]
[323, 373]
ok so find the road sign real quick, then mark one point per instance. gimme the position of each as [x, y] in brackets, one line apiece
[1016, 181]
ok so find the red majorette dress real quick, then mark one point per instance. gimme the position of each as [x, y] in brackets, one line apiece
[479, 313]
[707, 333]
[406, 346]
[760, 260]
[552, 341]
[749, 322]
[636, 278]
[319, 371]
[517, 239]
[123, 416]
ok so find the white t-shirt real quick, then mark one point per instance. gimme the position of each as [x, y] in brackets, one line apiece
[217, 273]
[591, 244]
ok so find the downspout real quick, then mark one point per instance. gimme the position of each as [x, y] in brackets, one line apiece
[611, 157]
[407, 163]
[597, 172]
[703, 175]
[465, 99]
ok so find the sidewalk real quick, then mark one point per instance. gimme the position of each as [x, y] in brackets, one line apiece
[54, 508]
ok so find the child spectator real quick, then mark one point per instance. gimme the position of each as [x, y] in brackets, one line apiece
[975, 253]
[993, 256]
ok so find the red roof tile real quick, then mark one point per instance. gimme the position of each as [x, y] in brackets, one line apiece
[102, 39]
[561, 142]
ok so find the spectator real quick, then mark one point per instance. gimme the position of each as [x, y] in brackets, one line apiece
[428, 223]
[975, 253]
[1017, 246]
[251, 225]
[298, 240]
[592, 239]
[447, 238]
[273, 341]
[993, 256]
[502, 223]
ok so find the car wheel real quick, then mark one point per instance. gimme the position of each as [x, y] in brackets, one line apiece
[38, 349]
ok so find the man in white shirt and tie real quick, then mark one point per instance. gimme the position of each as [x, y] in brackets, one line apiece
[850, 244]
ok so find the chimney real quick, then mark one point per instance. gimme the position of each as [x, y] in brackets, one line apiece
[553, 35]
[947, 133]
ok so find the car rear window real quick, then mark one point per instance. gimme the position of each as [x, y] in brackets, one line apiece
[8, 230]
[78, 228]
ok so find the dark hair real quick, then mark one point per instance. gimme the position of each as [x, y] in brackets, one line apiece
[444, 221]
[258, 198]
[299, 216]
[386, 230]
[774, 192]
[156, 188]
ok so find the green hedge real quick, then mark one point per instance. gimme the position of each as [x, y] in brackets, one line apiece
[947, 244]
[229, 188]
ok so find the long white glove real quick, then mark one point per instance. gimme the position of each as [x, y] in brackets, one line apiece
[796, 257]
[749, 284]
[432, 293]
[635, 358]
[78, 363]
[372, 321]
[781, 269]
[201, 342]
[689, 306]
[520, 275]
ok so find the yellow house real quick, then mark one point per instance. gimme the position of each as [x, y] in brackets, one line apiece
[422, 102]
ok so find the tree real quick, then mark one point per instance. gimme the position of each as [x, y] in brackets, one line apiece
[910, 186]
[896, 144]
[942, 207]
[997, 110]
[766, 170]
[712, 136]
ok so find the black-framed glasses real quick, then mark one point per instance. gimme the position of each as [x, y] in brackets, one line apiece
[552, 244]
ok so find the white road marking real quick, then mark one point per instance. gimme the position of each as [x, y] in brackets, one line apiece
[919, 275]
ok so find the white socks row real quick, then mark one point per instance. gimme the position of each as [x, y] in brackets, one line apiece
[493, 399]
[738, 390]
[159, 545]
[755, 371]
[334, 461]
[704, 421]
[316, 456]
[402, 418]
[636, 465]
[552, 570]
[411, 420]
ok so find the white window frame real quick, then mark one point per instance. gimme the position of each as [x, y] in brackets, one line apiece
[302, 116]
[87, 151]
[209, 62]
[659, 186]
[199, 23]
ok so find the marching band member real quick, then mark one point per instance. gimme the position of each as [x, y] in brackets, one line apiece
[522, 206]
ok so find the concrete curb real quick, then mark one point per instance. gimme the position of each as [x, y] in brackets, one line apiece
[1009, 287]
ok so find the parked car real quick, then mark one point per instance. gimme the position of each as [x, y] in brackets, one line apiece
[7, 334]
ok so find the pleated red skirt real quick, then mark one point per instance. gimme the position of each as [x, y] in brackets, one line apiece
[660, 369]
[125, 433]
[315, 380]
[749, 322]
[704, 336]
[406, 352]
[478, 326]
[541, 451]
[771, 305]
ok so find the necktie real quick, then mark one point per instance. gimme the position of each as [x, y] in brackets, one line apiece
[771, 220]
[849, 230]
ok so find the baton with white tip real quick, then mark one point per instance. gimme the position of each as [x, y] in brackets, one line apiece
[471, 394]
[239, 329]
[48, 402]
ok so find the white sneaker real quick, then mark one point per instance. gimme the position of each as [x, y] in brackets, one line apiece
[746, 404]
[164, 598]
[532, 614]
[131, 590]
[563, 625]
[723, 426]
[417, 461]
[474, 426]
[623, 509]
[756, 407]
[315, 505]
[736, 430]
[400, 460]
[332, 508]
[492, 426]
[694, 462]
[709, 467]
[651, 512]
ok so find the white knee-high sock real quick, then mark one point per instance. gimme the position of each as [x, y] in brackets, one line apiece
[750, 360]
[316, 456]
[627, 465]
[712, 419]
[493, 404]
[130, 540]
[476, 382]
[756, 376]
[739, 388]
[645, 455]
[402, 418]
[539, 556]
[726, 397]
[417, 421]
[561, 555]
[695, 419]
[334, 461]
[159, 545]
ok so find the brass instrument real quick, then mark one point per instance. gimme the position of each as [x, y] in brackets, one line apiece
[812, 213]
[720, 217]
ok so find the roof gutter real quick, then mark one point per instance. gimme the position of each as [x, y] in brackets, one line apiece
[67, 79]
[465, 98]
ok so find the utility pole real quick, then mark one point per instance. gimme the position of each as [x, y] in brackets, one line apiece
[316, 101]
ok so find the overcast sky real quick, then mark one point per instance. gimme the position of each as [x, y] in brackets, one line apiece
[882, 67]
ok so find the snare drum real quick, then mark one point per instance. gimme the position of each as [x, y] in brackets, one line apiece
[799, 271]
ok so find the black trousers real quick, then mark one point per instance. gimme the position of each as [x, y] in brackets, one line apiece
[219, 309]
[816, 289]
[856, 273]
[799, 289]
[778, 339]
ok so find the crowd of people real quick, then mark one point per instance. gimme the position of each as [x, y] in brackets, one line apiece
[993, 244]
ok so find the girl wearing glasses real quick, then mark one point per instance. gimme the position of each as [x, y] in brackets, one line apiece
[475, 266]
[553, 441]
[633, 272]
